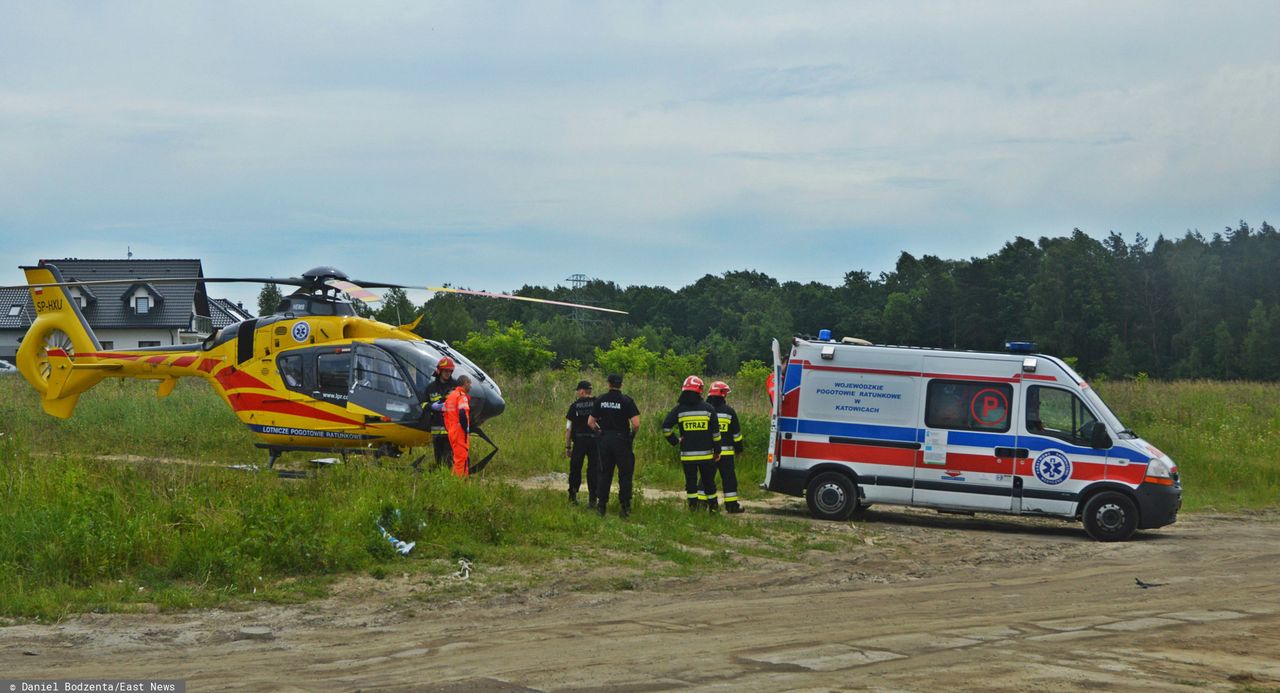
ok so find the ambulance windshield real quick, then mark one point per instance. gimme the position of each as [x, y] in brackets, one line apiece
[1104, 413]
[1099, 407]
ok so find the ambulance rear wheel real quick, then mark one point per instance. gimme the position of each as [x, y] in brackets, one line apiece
[832, 496]
[1110, 516]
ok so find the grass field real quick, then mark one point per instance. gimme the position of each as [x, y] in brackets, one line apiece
[82, 527]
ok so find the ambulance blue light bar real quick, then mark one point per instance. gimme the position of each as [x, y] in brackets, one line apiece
[1020, 347]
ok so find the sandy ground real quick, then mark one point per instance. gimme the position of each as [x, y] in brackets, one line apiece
[925, 602]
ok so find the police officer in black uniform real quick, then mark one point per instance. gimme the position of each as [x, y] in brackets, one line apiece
[730, 443]
[437, 390]
[579, 442]
[615, 419]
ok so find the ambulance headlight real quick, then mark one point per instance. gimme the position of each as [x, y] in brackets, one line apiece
[1161, 471]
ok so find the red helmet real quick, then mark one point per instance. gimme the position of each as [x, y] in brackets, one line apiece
[719, 388]
[445, 364]
[692, 384]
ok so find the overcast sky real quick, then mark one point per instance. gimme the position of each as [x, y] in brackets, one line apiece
[646, 143]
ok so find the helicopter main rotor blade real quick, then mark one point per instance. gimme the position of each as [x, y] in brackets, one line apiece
[288, 281]
[547, 301]
[354, 290]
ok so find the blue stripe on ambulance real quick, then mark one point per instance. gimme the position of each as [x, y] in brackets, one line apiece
[831, 428]
[1038, 443]
[966, 438]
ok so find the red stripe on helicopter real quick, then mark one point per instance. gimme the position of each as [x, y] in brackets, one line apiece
[207, 365]
[252, 401]
[157, 360]
[235, 379]
[185, 361]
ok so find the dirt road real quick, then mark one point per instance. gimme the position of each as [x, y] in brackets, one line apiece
[927, 602]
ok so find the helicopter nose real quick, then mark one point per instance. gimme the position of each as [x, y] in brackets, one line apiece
[486, 403]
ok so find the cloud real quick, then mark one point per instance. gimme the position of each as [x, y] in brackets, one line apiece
[541, 140]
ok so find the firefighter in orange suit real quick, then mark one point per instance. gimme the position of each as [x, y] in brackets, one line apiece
[457, 421]
[442, 383]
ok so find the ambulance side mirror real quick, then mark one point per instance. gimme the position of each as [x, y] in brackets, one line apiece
[1098, 437]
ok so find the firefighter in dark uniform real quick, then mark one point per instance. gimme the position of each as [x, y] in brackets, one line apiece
[437, 390]
[693, 426]
[730, 443]
[579, 442]
[615, 419]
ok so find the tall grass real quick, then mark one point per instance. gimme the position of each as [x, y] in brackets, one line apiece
[80, 531]
[531, 432]
[1224, 436]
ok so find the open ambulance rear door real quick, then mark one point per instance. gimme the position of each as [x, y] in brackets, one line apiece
[775, 382]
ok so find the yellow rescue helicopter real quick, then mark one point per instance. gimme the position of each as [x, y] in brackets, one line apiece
[313, 377]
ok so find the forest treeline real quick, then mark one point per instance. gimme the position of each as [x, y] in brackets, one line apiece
[1190, 307]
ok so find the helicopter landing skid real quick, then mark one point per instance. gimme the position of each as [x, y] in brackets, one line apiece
[274, 452]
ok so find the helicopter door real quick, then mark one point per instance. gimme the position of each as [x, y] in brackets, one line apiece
[378, 384]
[333, 375]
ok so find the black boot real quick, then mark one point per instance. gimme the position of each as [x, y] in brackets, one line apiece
[693, 504]
[713, 505]
[573, 497]
[600, 508]
[592, 503]
[624, 510]
[733, 507]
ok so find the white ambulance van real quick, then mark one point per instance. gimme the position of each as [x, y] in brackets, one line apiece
[960, 431]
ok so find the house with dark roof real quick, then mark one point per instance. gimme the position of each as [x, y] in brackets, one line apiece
[130, 314]
[223, 312]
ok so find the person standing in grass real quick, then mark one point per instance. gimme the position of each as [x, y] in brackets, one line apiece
[580, 442]
[615, 419]
[730, 443]
[692, 425]
[457, 421]
[442, 383]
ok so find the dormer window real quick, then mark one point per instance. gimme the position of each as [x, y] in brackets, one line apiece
[142, 298]
[15, 310]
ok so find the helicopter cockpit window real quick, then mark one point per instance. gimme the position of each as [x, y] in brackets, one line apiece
[379, 384]
[333, 375]
[376, 370]
[291, 372]
[416, 359]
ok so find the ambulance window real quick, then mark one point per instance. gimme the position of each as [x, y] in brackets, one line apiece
[968, 406]
[1058, 413]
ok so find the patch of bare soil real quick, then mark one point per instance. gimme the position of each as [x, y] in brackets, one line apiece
[921, 602]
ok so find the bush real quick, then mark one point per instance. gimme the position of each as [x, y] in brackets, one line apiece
[752, 375]
[510, 350]
[627, 358]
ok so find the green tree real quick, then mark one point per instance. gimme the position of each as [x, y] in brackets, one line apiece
[269, 299]
[752, 375]
[673, 367]
[1118, 364]
[1224, 352]
[396, 308]
[898, 322]
[623, 357]
[510, 350]
[1260, 348]
[447, 319]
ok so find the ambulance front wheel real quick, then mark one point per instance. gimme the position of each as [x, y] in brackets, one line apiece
[1110, 516]
[832, 496]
